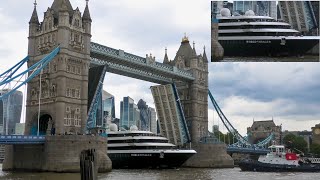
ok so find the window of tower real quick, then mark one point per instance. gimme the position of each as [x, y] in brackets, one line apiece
[76, 37]
[55, 68]
[77, 93]
[78, 70]
[72, 69]
[73, 93]
[68, 92]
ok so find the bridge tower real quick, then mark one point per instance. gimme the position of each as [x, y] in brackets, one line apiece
[64, 83]
[193, 95]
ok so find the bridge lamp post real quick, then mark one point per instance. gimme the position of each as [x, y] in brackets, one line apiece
[38, 132]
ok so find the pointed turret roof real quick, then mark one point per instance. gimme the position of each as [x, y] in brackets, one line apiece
[185, 49]
[59, 5]
[86, 13]
[205, 59]
[194, 49]
[34, 18]
[166, 59]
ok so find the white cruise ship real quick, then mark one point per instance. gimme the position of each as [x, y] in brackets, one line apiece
[144, 149]
[251, 35]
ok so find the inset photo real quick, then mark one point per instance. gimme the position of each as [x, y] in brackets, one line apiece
[265, 31]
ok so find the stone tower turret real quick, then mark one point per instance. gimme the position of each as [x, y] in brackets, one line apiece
[193, 95]
[64, 83]
[166, 59]
[33, 27]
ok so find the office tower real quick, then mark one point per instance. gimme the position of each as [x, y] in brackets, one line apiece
[129, 113]
[10, 111]
[108, 107]
[144, 115]
[147, 117]
[152, 120]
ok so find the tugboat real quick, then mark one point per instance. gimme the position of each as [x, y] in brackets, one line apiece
[281, 160]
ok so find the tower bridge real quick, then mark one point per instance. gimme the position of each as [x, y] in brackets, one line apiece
[123, 63]
[64, 89]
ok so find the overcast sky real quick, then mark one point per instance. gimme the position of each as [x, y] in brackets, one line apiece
[287, 92]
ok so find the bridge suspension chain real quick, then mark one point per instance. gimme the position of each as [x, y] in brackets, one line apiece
[9, 76]
[242, 141]
[226, 122]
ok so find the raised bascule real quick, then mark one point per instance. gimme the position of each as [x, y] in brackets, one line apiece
[64, 77]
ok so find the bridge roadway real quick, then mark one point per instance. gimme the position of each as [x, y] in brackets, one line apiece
[21, 139]
[126, 64]
[246, 150]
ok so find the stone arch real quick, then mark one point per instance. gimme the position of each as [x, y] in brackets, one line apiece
[46, 124]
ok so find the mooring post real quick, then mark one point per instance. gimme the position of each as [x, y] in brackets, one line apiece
[88, 169]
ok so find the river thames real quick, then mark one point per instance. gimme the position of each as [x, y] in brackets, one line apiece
[168, 174]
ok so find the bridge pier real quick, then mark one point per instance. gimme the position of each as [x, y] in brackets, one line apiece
[57, 154]
[210, 156]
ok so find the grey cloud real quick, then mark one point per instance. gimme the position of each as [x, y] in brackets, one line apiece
[299, 86]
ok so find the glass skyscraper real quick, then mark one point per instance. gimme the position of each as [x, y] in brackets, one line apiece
[129, 113]
[10, 112]
[144, 115]
[147, 117]
[108, 107]
[152, 120]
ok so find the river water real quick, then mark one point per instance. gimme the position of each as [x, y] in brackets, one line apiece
[168, 174]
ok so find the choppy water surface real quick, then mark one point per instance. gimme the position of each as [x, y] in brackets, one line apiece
[306, 58]
[174, 174]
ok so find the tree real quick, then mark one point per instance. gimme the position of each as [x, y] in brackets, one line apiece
[226, 138]
[296, 143]
[315, 149]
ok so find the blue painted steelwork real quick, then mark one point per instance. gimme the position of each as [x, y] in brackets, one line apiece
[183, 123]
[92, 113]
[128, 71]
[265, 141]
[13, 69]
[21, 139]
[227, 123]
[142, 67]
[310, 16]
[32, 71]
[242, 141]
[247, 150]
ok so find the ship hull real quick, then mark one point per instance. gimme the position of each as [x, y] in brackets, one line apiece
[149, 159]
[264, 46]
[252, 165]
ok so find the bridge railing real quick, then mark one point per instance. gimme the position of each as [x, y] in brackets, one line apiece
[21, 139]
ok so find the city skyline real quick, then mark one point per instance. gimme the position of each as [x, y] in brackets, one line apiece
[261, 90]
